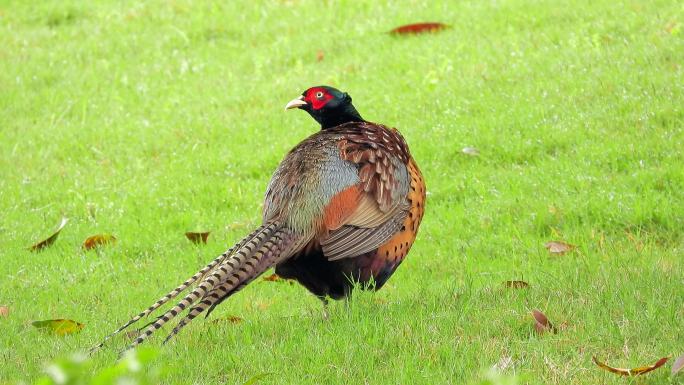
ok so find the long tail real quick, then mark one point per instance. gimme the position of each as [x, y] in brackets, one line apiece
[259, 262]
[211, 276]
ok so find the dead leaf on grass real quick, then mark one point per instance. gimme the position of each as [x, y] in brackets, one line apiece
[516, 284]
[4, 311]
[59, 327]
[631, 372]
[98, 240]
[197, 237]
[542, 323]
[276, 278]
[559, 247]
[51, 239]
[272, 278]
[231, 318]
[416, 28]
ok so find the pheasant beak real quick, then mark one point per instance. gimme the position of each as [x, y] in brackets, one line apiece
[296, 103]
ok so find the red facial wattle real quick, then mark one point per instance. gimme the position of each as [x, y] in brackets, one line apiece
[317, 97]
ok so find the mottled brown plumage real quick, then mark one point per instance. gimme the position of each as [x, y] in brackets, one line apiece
[343, 208]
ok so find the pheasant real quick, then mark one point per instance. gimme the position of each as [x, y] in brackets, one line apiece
[342, 209]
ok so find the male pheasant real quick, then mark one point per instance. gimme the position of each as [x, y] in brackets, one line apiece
[342, 208]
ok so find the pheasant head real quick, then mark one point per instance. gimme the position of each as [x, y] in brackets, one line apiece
[329, 106]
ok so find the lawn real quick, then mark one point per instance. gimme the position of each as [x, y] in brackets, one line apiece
[149, 119]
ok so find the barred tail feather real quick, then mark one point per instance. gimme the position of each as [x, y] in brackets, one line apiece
[251, 268]
[230, 272]
[198, 276]
[288, 241]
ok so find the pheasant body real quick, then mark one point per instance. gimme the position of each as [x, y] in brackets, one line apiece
[365, 171]
[343, 207]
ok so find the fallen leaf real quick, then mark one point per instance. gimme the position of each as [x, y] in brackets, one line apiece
[542, 323]
[678, 365]
[132, 334]
[276, 278]
[4, 311]
[272, 278]
[631, 372]
[59, 326]
[51, 239]
[232, 319]
[418, 28]
[97, 240]
[516, 284]
[472, 151]
[559, 247]
[320, 55]
[197, 237]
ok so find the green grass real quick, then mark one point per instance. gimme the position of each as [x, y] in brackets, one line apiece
[149, 120]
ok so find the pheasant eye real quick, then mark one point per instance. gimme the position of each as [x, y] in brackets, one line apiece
[319, 95]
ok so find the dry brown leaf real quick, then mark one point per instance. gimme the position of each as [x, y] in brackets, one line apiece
[472, 151]
[97, 240]
[631, 372]
[559, 247]
[678, 365]
[418, 28]
[51, 239]
[272, 278]
[198, 237]
[320, 55]
[231, 318]
[132, 334]
[516, 284]
[4, 311]
[59, 326]
[542, 323]
[276, 278]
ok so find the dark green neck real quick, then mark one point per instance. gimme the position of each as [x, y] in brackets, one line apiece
[335, 118]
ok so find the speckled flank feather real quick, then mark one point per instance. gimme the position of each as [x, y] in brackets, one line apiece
[392, 253]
